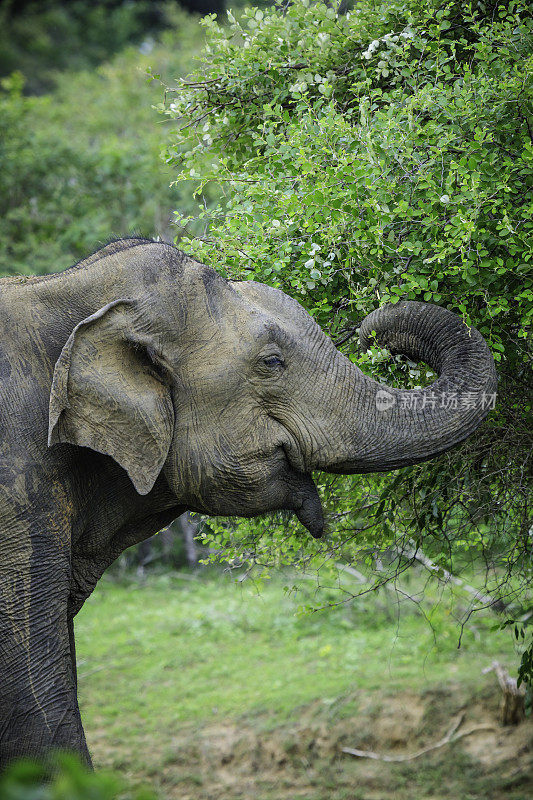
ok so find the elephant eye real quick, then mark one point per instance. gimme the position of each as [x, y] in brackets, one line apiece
[273, 361]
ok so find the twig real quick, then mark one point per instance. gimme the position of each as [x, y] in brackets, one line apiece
[418, 555]
[348, 335]
[353, 572]
[96, 669]
[451, 736]
[360, 578]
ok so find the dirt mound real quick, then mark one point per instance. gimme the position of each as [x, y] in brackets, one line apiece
[241, 759]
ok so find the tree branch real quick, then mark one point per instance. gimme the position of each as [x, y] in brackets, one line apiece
[450, 736]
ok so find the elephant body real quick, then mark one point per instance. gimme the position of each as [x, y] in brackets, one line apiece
[66, 512]
[140, 384]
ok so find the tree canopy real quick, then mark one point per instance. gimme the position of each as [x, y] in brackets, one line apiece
[362, 158]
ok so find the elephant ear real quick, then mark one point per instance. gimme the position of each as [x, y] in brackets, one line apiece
[108, 395]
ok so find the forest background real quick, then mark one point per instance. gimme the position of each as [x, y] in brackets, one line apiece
[352, 159]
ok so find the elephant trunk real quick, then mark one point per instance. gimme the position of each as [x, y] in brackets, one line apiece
[383, 428]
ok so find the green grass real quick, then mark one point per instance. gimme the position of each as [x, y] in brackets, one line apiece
[170, 667]
[197, 648]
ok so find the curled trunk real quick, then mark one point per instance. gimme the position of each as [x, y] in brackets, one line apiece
[383, 427]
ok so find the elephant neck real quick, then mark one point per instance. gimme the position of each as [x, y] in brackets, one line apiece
[118, 270]
[110, 517]
[50, 306]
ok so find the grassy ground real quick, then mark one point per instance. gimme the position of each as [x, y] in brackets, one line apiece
[205, 689]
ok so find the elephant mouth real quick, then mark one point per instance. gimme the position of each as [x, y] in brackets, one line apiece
[307, 506]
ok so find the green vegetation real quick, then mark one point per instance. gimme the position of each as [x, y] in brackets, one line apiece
[370, 157]
[201, 687]
[63, 777]
[44, 39]
[180, 673]
[238, 650]
[83, 163]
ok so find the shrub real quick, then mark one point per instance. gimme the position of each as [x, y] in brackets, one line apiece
[63, 777]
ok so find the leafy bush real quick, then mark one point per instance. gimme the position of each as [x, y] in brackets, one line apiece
[63, 778]
[365, 158]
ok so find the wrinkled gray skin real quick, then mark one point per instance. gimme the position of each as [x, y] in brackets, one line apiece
[139, 384]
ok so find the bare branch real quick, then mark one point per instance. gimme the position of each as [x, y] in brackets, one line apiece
[450, 737]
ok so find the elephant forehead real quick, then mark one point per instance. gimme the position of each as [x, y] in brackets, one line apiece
[274, 305]
[240, 335]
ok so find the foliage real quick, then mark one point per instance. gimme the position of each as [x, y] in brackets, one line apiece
[374, 171]
[49, 37]
[365, 158]
[83, 163]
[62, 778]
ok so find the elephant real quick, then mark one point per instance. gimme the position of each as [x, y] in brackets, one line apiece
[140, 384]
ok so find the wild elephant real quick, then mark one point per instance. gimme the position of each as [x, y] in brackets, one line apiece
[139, 384]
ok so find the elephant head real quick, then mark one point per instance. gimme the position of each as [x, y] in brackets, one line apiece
[231, 393]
